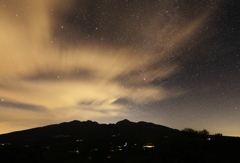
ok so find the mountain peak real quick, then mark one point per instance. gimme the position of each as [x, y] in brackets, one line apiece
[125, 121]
[74, 121]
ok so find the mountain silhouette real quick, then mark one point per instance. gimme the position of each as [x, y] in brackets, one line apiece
[125, 141]
[86, 129]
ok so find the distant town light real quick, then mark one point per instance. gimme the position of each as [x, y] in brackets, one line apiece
[148, 146]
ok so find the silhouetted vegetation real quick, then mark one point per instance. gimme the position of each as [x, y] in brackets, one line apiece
[218, 135]
[192, 131]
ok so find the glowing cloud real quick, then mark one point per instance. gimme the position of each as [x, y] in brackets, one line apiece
[82, 82]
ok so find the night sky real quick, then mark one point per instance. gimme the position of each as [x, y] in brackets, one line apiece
[170, 62]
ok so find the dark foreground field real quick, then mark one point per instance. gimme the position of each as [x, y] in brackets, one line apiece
[165, 150]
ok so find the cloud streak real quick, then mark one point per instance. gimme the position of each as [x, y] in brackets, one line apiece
[21, 106]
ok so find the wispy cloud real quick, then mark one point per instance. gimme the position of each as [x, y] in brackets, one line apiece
[18, 105]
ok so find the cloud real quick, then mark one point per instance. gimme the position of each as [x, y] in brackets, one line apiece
[78, 70]
[58, 75]
[21, 106]
[124, 101]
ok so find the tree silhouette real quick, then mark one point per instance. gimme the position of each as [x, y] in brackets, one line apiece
[189, 130]
[218, 135]
[203, 132]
